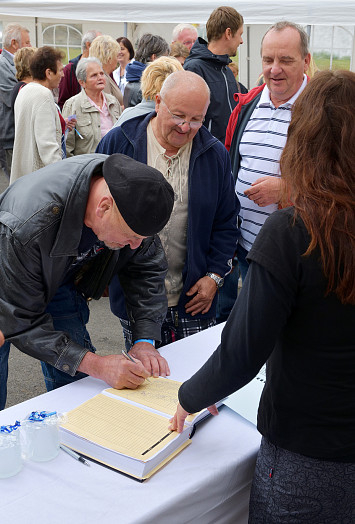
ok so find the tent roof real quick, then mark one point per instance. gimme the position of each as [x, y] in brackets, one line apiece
[313, 12]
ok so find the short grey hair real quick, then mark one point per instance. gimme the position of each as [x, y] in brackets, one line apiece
[81, 68]
[89, 36]
[149, 45]
[280, 26]
[13, 32]
[179, 29]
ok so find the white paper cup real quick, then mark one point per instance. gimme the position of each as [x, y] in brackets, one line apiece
[10, 453]
[41, 436]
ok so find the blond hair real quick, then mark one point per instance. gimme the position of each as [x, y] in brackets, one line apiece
[22, 59]
[105, 48]
[155, 73]
[179, 49]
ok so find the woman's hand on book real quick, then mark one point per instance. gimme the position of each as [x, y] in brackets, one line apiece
[178, 420]
[154, 363]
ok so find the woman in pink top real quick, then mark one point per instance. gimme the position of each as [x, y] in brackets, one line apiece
[95, 110]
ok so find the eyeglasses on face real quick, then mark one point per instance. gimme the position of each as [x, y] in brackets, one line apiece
[181, 121]
[189, 42]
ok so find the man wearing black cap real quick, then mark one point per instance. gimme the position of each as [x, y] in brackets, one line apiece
[65, 230]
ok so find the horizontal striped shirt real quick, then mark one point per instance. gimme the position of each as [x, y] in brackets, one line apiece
[260, 148]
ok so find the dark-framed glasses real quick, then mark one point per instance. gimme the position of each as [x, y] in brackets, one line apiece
[179, 121]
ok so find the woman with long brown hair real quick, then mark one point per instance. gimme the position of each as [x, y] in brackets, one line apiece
[296, 311]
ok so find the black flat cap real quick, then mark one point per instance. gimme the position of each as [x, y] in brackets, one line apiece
[143, 196]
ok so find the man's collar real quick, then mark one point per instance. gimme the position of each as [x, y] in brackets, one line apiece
[265, 100]
[8, 55]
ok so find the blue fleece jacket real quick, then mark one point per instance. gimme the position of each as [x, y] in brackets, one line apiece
[212, 208]
[134, 71]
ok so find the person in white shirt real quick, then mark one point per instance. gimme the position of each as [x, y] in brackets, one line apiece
[256, 135]
[125, 56]
[39, 125]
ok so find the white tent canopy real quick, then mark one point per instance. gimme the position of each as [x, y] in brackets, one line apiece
[312, 12]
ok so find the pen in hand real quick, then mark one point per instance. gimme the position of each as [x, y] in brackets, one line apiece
[77, 132]
[128, 357]
[74, 455]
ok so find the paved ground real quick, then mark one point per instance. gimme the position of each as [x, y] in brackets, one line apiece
[25, 375]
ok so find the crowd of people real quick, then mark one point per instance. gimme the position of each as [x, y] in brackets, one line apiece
[158, 176]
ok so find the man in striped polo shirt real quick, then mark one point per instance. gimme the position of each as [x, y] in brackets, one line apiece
[257, 129]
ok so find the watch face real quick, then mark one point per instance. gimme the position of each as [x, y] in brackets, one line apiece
[220, 281]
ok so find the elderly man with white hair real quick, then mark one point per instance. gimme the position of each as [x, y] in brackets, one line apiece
[95, 111]
[200, 238]
[15, 37]
[186, 34]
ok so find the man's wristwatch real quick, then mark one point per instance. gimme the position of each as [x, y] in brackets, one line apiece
[219, 280]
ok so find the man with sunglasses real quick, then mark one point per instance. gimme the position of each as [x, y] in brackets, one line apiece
[200, 237]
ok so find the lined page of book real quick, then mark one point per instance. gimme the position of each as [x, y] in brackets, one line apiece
[119, 426]
[159, 394]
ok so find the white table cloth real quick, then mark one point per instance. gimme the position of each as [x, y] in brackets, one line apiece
[208, 482]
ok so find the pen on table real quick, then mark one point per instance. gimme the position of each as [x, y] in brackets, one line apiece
[74, 455]
[128, 357]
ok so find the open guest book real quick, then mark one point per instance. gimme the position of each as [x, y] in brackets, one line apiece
[128, 429]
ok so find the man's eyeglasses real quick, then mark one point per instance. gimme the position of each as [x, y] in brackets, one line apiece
[189, 42]
[181, 121]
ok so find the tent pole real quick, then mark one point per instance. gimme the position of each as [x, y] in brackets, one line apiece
[36, 29]
[248, 56]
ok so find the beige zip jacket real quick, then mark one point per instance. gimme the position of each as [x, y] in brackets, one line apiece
[88, 122]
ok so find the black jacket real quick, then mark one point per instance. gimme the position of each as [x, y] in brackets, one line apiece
[41, 221]
[132, 93]
[220, 79]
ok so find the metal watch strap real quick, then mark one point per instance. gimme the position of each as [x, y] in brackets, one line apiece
[219, 280]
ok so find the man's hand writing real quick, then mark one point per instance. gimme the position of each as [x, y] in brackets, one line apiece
[151, 359]
[114, 369]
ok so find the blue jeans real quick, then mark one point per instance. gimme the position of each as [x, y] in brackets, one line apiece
[70, 313]
[228, 293]
[243, 264]
[4, 359]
